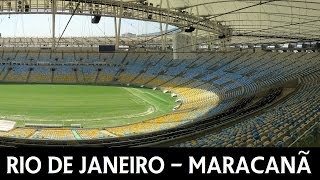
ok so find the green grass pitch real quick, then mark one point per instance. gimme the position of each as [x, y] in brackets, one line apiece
[88, 105]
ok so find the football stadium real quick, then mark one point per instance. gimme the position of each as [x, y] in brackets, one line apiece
[160, 73]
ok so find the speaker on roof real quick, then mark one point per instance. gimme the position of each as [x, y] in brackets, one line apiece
[222, 36]
[26, 8]
[292, 45]
[278, 46]
[305, 45]
[264, 46]
[190, 29]
[95, 19]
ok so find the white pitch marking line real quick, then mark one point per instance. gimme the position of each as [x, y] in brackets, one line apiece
[176, 164]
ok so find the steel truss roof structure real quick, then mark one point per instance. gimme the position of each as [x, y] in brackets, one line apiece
[242, 21]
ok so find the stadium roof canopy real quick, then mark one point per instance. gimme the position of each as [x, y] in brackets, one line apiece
[269, 20]
[244, 21]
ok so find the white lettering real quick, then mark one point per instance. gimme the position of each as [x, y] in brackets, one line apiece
[303, 166]
[150, 165]
[227, 164]
[253, 164]
[194, 164]
[242, 165]
[214, 166]
[272, 165]
[94, 166]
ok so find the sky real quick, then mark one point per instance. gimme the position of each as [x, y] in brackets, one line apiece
[80, 26]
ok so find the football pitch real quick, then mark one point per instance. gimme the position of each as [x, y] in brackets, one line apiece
[88, 105]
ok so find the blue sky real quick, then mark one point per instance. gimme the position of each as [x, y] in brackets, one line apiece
[80, 26]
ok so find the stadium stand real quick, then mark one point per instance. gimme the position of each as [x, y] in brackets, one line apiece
[215, 86]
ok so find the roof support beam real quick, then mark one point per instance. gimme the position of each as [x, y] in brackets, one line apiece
[130, 10]
[53, 9]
